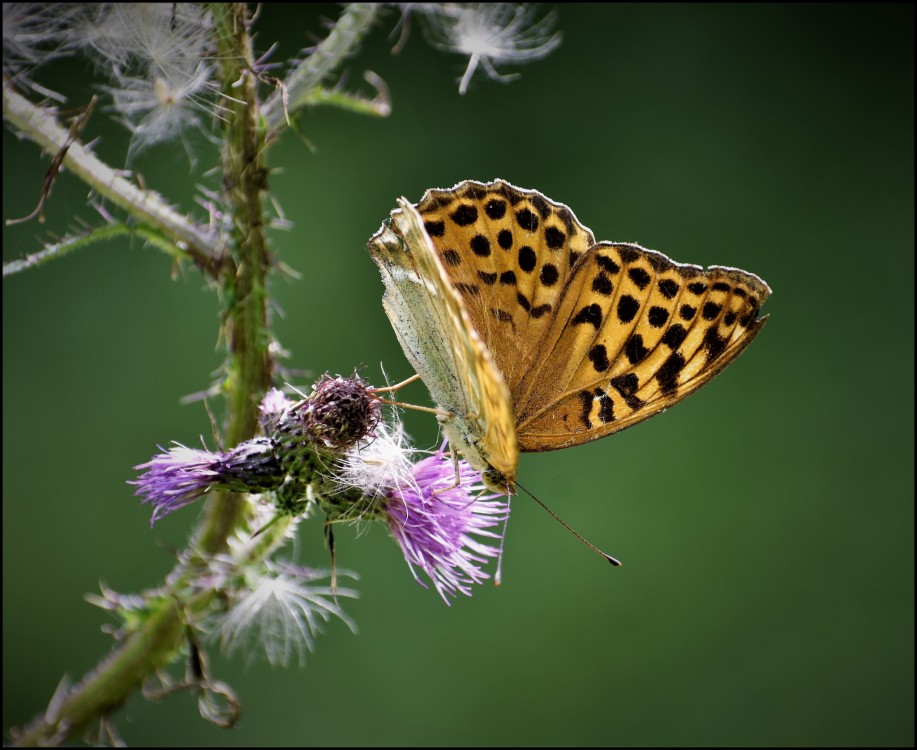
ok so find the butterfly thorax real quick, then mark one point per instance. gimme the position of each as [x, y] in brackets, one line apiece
[462, 436]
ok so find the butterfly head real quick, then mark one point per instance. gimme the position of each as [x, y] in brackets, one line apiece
[497, 481]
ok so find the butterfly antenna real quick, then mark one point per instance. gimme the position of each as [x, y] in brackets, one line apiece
[613, 560]
[498, 575]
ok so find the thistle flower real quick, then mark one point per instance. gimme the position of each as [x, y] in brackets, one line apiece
[175, 478]
[490, 34]
[341, 411]
[181, 475]
[338, 413]
[437, 518]
[281, 611]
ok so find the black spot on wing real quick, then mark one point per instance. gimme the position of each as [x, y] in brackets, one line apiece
[598, 355]
[675, 336]
[451, 258]
[527, 220]
[527, 259]
[668, 288]
[606, 408]
[634, 349]
[585, 398]
[464, 215]
[591, 314]
[658, 316]
[607, 264]
[488, 278]
[435, 228]
[667, 374]
[711, 310]
[495, 209]
[627, 386]
[549, 274]
[627, 308]
[714, 344]
[480, 246]
[640, 277]
[554, 238]
[601, 284]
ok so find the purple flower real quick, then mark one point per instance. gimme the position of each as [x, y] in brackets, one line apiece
[181, 475]
[176, 477]
[273, 406]
[438, 523]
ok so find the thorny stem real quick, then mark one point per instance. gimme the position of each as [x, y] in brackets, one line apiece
[249, 365]
[145, 206]
[151, 647]
[343, 39]
[73, 242]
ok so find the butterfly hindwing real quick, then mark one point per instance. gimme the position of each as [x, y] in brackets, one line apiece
[634, 333]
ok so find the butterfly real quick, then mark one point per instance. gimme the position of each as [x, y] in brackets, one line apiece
[532, 336]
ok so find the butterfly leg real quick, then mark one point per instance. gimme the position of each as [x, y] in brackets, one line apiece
[397, 386]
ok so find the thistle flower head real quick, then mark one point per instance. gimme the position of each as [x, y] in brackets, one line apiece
[439, 520]
[179, 476]
[490, 34]
[175, 478]
[342, 411]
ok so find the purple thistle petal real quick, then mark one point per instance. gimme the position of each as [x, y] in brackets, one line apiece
[175, 478]
[438, 524]
[272, 408]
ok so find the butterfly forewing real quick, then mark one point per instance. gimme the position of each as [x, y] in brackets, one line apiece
[634, 333]
[508, 252]
[439, 339]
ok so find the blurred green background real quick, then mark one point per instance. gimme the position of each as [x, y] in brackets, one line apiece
[766, 524]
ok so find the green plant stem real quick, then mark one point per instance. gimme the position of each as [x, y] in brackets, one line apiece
[343, 39]
[249, 365]
[146, 206]
[155, 644]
